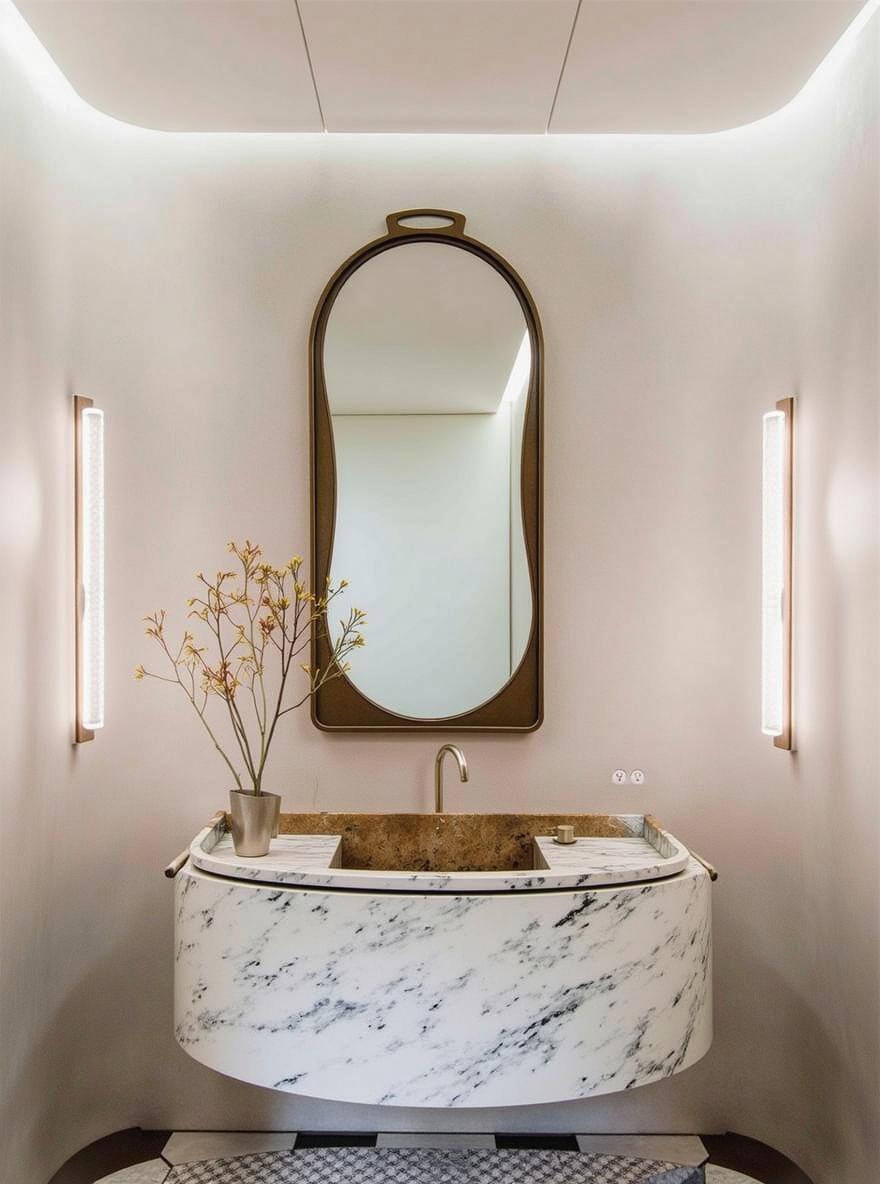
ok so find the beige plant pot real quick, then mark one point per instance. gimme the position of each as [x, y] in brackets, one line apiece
[254, 821]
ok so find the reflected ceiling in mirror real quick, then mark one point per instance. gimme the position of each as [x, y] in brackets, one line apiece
[425, 378]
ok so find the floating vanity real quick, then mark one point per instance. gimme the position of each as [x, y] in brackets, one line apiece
[445, 960]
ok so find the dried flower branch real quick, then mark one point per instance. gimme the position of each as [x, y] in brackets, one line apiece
[259, 618]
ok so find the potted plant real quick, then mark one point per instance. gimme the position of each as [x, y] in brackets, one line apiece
[259, 619]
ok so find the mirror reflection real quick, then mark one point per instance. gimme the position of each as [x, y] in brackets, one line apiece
[427, 366]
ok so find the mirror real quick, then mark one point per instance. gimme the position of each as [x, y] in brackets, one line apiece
[425, 422]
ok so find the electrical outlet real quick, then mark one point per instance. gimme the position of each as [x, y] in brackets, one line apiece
[637, 777]
[618, 777]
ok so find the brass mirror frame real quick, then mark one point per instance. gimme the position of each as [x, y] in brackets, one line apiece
[340, 706]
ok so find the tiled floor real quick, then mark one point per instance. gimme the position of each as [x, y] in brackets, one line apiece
[153, 1171]
[429, 1165]
[188, 1147]
[192, 1146]
[685, 1149]
[440, 1140]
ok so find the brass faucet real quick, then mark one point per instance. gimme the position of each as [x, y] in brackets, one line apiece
[438, 772]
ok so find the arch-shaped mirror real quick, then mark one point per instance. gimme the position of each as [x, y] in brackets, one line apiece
[426, 383]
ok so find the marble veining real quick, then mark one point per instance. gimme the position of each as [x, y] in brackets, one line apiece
[609, 861]
[444, 999]
[315, 860]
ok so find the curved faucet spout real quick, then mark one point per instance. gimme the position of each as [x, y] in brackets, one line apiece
[438, 772]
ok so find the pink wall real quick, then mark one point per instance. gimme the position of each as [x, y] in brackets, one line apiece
[684, 285]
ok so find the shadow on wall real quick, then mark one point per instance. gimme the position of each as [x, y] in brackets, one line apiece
[779, 1016]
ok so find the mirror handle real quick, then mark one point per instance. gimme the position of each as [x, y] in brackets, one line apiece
[454, 227]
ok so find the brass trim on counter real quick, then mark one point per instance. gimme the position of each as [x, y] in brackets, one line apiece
[710, 868]
[179, 860]
[176, 864]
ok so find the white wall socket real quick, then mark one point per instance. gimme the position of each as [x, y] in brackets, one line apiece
[637, 777]
[618, 777]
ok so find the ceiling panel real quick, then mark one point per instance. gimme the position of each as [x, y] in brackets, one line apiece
[691, 65]
[437, 65]
[212, 65]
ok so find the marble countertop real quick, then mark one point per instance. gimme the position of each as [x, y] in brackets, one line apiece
[646, 853]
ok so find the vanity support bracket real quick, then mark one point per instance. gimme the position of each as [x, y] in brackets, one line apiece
[713, 871]
[180, 860]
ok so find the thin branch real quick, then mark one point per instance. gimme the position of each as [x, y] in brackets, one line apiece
[271, 611]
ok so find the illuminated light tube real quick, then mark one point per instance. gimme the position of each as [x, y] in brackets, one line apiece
[776, 644]
[89, 472]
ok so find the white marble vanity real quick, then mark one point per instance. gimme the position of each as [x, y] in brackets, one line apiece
[586, 973]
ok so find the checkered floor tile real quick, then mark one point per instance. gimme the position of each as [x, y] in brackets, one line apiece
[360, 1165]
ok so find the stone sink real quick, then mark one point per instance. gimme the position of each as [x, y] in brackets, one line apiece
[448, 960]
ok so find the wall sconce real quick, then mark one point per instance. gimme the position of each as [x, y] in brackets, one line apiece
[89, 475]
[777, 574]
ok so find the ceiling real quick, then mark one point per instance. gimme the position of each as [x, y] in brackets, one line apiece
[528, 66]
[422, 331]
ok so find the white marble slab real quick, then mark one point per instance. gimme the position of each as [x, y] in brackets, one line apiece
[440, 1140]
[151, 1171]
[193, 1146]
[610, 861]
[291, 856]
[687, 1150]
[716, 1175]
[313, 860]
[453, 1000]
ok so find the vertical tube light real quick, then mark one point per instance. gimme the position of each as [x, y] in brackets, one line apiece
[776, 645]
[89, 470]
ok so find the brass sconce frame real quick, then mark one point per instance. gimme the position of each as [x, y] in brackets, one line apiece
[81, 405]
[777, 545]
[786, 406]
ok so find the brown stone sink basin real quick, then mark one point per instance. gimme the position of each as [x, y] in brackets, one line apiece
[445, 842]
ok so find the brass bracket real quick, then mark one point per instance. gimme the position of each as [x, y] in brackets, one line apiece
[713, 873]
[454, 223]
[179, 860]
[786, 739]
[80, 403]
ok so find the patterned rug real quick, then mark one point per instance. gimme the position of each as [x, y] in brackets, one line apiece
[368, 1165]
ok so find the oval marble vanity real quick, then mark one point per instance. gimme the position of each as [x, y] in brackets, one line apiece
[518, 972]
